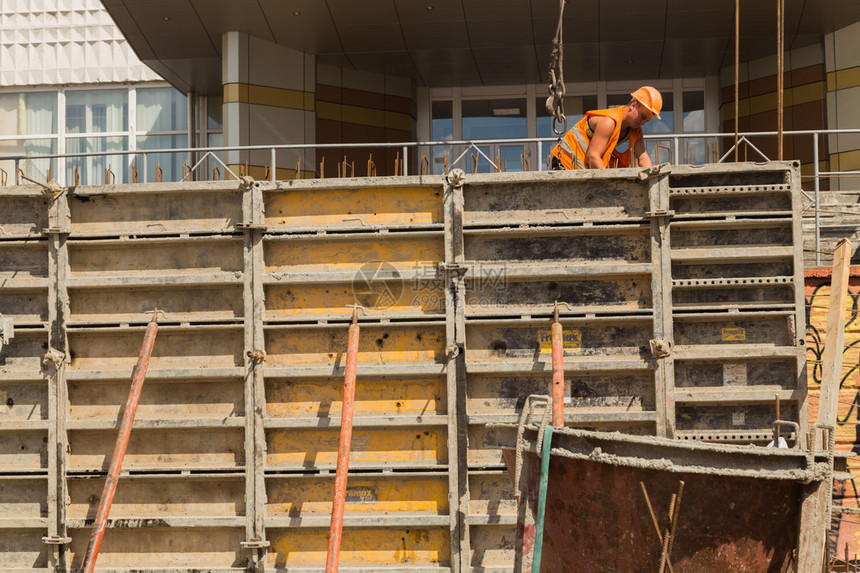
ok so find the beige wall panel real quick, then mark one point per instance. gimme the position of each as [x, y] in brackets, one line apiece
[369, 547]
[23, 261]
[186, 448]
[151, 258]
[142, 548]
[371, 447]
[159, 400]
[23, 401]
[303, 496]
[23, 450]
[492, 494]
[492, 546]
[383, 396]
[173, 349]
[137, 213]
[177, 303]
[22, 497]
[403, 253]
[21, 548]
[22, 216]
[153, 498]
[24, 353]
[376, 206]
[377, 344]
[847, 46]
[24, 305]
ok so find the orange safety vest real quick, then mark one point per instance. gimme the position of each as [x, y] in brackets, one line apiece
[571, 149]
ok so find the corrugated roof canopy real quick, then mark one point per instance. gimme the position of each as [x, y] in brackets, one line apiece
[474, 42]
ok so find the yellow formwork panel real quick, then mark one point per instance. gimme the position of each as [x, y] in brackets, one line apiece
[387, 396]
[311, 447]
[130, 303]
[376, 344]
[185, 448]
[173, 349]
[137, 213]
[375, 206]
[23, 548]
[403, 253]
[148, 547]
[293, 548]
[332, 299]
[161, 399]
[383, 495]
[150, 498]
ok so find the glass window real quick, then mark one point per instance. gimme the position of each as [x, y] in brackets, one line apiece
[214, 107]
[33, 113]
[574, 109]
[442, 129]
[694, 111]
[161, 109]
[494, 119]
[169, 165]
[97, 111]
[92, 170]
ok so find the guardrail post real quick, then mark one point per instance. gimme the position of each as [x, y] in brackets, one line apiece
[817, 209]
[405, 162]
[274, 164]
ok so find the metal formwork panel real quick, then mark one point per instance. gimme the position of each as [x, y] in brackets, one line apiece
[231, 462]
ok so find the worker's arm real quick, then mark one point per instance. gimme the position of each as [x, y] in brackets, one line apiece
[641, 153]
[603, 128]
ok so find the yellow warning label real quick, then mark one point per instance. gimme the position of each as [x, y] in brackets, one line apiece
[734, 334]
[571, 340]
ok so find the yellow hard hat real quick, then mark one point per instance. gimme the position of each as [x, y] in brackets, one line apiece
[650, 98]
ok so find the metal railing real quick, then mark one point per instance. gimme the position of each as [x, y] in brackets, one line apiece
[431, 157]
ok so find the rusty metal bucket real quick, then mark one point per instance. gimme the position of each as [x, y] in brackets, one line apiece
[745, 508]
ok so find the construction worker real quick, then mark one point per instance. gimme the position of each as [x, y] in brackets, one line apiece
[592, 142]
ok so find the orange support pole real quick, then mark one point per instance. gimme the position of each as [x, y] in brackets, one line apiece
[557, 371]
[334, 537]
[137, 377]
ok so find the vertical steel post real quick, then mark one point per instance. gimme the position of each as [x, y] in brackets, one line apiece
[334, 537]
[817, 199]
[274, 164]
[137, 377]
[737, 71]
[557, 371]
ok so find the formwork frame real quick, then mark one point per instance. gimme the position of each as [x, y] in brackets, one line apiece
[481, 223]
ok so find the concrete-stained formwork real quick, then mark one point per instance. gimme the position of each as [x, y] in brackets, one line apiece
[681, 300]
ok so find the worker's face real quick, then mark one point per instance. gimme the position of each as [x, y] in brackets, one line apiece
[638, 115]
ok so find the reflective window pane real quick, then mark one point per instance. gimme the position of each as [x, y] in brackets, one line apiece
[694, 111]
[215, 110]
[33, 113]
[92, 170]
[96, 111]
[574, 110]
[442, 129]
[168, 164]
[161, 109]
[494, 119]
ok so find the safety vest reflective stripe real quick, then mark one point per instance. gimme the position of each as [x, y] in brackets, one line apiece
[565, 146]
[580, 140]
